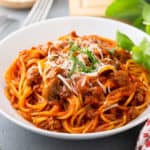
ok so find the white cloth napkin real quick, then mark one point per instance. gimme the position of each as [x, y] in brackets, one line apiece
[143, 142]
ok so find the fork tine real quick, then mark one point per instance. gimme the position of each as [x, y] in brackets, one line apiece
[32, 12]
[47, 9]
[44, 11]
[5, 21]
[4, 25]
[2, 21]
[38, 12]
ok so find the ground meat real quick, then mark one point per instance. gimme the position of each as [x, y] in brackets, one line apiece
[51, 124]
[54, 124]
[53, 50]
[73, 34]
[62, 45]
[53, 72]
[91, 100]
[33, 75]
[91, 113]
[113, 62]
[139, 95]
[50, 91]
[108, 61]
[121, 78]
[122, 55]
[64, 93]
[132, 113]
[37, 88]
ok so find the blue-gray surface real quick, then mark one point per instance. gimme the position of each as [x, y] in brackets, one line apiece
[13, 137]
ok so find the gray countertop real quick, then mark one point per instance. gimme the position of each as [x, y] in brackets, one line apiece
[13, 137]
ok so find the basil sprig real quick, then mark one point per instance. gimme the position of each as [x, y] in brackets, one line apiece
[140, 53]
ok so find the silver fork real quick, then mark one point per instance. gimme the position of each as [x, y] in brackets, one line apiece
[5, 21]
[39, 12]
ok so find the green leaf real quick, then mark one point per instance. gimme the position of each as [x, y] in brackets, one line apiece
[146, 17]
[71, 43]
[139, 23]
[124, 41]
[147, 29]
[73, 48]
[146, 12]
[84, 68]
[141, 53]
[73, 67]
[137, 54]
[124, 10]
[90, 55]
[79, 65]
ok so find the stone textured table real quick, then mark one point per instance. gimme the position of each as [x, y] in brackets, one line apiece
[13, 137]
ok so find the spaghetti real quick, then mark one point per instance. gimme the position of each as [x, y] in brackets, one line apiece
[78, 84]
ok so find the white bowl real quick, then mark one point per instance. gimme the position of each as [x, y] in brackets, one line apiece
[50, 30]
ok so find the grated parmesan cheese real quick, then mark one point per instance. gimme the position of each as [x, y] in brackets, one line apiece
[110, 107]
[102, 86]
[66, 84]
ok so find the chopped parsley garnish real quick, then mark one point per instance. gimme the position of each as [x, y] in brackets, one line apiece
[79, 65]
[111, 51]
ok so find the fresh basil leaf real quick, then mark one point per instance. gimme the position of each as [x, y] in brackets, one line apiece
[74, 59]
[141, 53]
[146, 17]
[121, 9]
[137, 54]
[139, 23]
[124, 41]
[146, 12]
[147, 29]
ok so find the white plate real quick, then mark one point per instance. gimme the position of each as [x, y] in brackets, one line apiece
[50, 30]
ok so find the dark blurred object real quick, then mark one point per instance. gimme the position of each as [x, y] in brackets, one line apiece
[148, 1]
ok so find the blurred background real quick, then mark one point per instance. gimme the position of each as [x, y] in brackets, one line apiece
[13, 13]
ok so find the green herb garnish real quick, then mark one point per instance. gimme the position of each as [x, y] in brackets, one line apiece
[146, 17]
[140, 53]
[79, 65]
[111, 51]
[91, 57]
[124, 41]
[74, 59]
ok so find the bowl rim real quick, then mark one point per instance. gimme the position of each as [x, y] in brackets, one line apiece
[60, 135]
